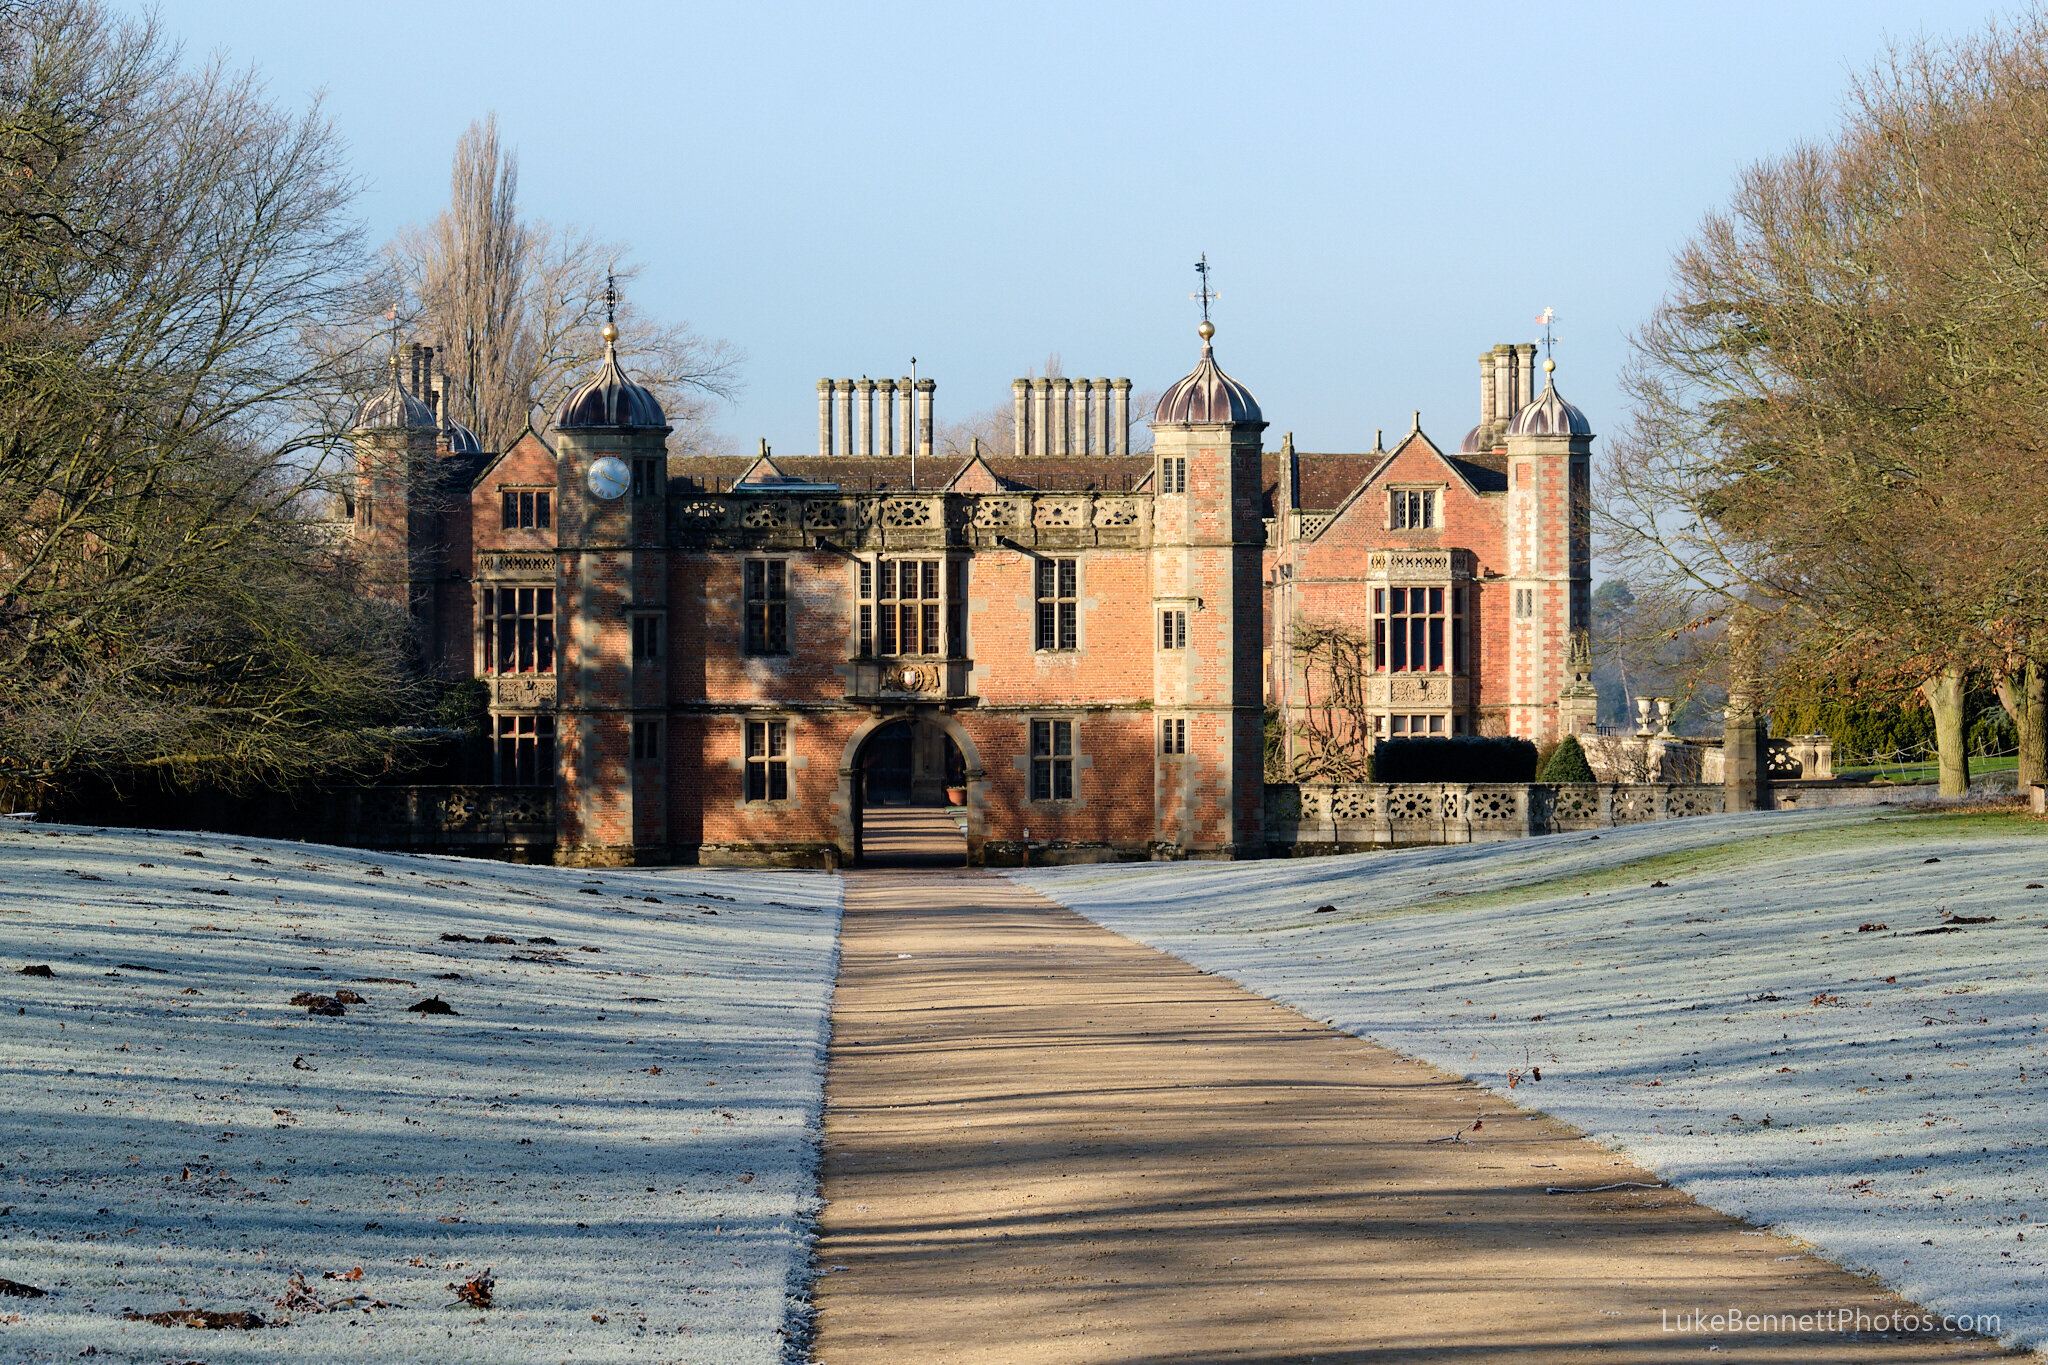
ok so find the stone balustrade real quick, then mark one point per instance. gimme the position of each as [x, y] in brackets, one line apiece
[1325, 818]
[911, 520]
[500, 821]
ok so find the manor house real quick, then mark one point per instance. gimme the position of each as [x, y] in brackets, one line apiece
[729, 659]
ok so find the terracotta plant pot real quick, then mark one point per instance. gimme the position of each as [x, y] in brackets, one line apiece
[956, 795]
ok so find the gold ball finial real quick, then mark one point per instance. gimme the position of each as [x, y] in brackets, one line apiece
[1207, 329]
[609, 332]
[1549, 365]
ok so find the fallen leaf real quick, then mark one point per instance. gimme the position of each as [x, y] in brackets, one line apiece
[476, 1291]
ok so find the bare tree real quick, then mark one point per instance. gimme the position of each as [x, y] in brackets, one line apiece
[169, 241]
[1851, 355]
[514, 308]
[1331, 726]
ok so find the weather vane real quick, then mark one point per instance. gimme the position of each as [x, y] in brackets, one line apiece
[1205, 295]
[611, 296]
[1546, 317]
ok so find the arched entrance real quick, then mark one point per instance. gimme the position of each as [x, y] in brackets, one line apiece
[909, 786]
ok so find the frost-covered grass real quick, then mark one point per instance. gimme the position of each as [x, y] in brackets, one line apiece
[619, 1124]
[1879, 1093]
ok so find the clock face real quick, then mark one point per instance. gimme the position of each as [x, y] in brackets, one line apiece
[608, 477]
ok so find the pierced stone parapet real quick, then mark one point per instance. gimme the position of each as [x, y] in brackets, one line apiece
[1325, 816]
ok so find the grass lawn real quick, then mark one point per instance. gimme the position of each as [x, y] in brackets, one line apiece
[1909, 773]
[1828, 1022]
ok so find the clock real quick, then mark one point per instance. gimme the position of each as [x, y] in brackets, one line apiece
[608, 477]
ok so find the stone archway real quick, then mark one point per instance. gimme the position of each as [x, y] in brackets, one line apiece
[848, 803]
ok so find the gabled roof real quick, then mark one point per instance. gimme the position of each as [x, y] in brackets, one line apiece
[1478, 478]
[763, 467]
[974, 477]
[492, 462]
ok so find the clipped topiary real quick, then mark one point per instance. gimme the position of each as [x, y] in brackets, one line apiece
[1567, 763]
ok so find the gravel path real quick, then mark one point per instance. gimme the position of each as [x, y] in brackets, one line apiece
[1047, 1143]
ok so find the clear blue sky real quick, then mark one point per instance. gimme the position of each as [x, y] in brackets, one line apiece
[1384, 190]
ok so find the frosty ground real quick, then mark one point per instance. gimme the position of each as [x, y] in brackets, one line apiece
[618, 1122]
[1829, 1023]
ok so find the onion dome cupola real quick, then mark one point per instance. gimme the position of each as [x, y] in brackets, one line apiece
[393, 407]
[1549, 414]
[609, 398]
[1207, 395]
[461, 440]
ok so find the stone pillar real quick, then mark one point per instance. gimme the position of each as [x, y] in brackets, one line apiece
[1486, 413]
[885, 399]
[1503, 384]
[824, 417]
[1742, 755]
[907, 399]
[925, 388]
[1526, 373]
[844, 389]
[1041, 416]
[865, 404]
[1103, 444]
[1020, 402]
[1084, 417]
[1062, 416]
[1745, 774]
[1120, 419]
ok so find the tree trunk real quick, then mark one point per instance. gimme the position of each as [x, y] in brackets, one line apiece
[1944, 693]
[2033, 726]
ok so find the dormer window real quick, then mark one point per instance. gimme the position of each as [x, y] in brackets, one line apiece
[527, 509]
[1411, 509]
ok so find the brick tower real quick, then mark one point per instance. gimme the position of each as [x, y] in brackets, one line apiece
[396, 528]
[1549, 564]
[611, 588]
[1208, 598]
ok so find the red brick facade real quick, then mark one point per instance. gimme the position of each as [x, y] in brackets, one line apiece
[727, 661]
